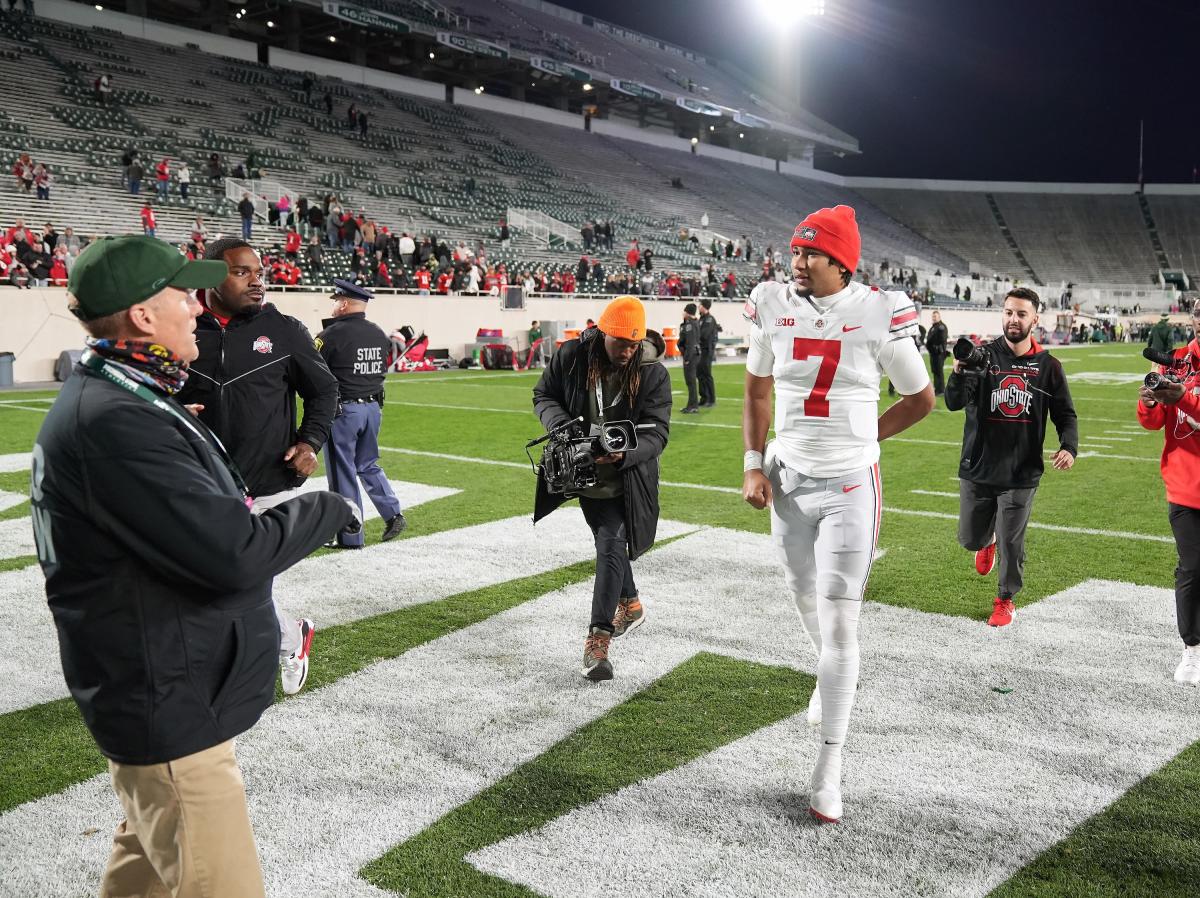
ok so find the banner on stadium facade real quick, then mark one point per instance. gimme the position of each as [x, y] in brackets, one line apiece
[697, 106]
[471, 45]
[750, 121]
[635, 89]
[561, 69]
[368, 18]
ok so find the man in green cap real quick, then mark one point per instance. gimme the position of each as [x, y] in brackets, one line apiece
[159, 577]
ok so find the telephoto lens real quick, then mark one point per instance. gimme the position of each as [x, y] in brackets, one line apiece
[1154, 380]
[973, 357]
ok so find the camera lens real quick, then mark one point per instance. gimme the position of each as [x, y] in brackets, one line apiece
[615, 438]
[1154, 380]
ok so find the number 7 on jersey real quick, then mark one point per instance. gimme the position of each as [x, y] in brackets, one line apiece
[830, 354]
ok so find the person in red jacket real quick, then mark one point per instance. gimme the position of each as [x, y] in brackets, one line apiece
[58, 270]
[634, 256]
[445, 279]
[162, 174]
[148, 221]
[423, 279]
[1174, 408]
[291, 244]
[568, 282]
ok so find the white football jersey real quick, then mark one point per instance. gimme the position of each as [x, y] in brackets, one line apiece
[827, 356]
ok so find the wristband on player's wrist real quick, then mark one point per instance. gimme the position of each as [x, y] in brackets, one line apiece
[752, 460]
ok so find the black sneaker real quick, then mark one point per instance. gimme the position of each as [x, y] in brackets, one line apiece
[596, 666]
[395, 526]
[691, 410]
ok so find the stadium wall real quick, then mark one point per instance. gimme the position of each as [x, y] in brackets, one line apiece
[505, 106]
[298, 62]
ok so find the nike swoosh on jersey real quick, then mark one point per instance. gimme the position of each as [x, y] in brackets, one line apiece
[846, 330]
[854, 486]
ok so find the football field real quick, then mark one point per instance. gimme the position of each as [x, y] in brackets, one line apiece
[445, 744]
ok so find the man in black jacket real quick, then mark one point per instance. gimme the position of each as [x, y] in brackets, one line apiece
[612, 371]
[356, 351]
[709, 328]
[935, 342]
[689, 350]
[253, 363]
[1007, 402]
[158, 577]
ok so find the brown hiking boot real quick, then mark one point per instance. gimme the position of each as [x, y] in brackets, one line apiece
[629, 616]
[596, 666]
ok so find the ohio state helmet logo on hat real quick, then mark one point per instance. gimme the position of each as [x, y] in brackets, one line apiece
[806, 233]
[263, 345]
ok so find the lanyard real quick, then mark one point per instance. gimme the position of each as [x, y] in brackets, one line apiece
[115, 375]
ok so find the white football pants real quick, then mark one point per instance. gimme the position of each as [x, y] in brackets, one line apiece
[826, 530]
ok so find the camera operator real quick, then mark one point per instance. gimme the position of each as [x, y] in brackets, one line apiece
[614, 369]
[1008, 387]
[1174, 408]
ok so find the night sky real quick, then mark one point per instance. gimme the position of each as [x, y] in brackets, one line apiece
[1029, 90]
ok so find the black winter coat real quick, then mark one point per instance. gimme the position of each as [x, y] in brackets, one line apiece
[562, 394]
[247, 378]
[157, 575]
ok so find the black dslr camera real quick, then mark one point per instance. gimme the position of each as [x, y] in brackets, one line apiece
[972, 357]
[569, 459]
[1154, 380]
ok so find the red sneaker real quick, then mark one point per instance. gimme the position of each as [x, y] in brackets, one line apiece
[1002, 613]
[985, 559]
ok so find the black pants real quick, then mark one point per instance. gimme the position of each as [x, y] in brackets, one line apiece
[708, 390]
[985, 510]
[690, 364]
[1185, 524]
[614, 574]
[937, 361]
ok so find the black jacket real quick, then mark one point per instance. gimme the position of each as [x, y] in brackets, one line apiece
[935, 339]
[247, 378]
[1007, 405]
[157, 575]
[356, 351]
[561, 395]
[246, 209]
[709, 328]
[689, 339]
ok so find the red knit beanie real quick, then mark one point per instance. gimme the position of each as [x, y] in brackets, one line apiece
[833, 232]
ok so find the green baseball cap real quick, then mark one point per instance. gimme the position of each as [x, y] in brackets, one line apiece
[115, 273]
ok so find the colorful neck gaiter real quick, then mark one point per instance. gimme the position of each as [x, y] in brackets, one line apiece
[152, 364]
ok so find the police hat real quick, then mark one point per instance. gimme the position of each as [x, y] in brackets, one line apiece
[350, 290]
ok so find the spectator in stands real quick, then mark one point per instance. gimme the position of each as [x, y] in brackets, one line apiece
[246, 211]
[316, 220]
[41, 180]
[423, 279]
[729, 249]
[957, 290]
[72, 244]
[49, 237]
[347, 232]
[328, 103]
[315, 261]
[473, 277]
[597, 272]
[136, 173]
[284, 207]
[358, 266]
[23, 171]
[12, 271]
[214, 169]
[18, 234]
[103, 88]
[633, 258]
[445, 280]
[383, 277]
[588, 234]
[291, 244]
[407, 248]
[568, 282]
[749, 255]
[362, 125]
[424, 251]
[184, 176]
[37, 260]
[162, 177]
[149, 224]
[199, 230]
[352, 117]
[966, 295]
[367, 234]
[582, 269]
[729, 287]
[608, 234]
[58, 268]
[252, 164]
[307, 85]
[504, 234]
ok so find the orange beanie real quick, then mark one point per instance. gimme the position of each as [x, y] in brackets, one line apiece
[624, 318]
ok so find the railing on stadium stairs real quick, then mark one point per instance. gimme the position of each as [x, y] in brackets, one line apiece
[262, 192]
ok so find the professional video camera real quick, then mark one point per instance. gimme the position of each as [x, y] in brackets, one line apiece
[569, 460]
[1175, 368]
[972, 357]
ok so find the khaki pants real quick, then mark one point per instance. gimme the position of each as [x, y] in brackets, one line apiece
[186, 833]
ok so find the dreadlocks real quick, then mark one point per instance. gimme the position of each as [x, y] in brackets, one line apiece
[600, 365]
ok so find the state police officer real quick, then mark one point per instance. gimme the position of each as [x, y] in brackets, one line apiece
[356, 350]
[689, 349]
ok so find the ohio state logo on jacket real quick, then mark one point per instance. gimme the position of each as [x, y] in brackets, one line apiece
[263, 345]
[1012, 396]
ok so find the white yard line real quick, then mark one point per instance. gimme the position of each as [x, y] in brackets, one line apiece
[8, 500]
[935, 493]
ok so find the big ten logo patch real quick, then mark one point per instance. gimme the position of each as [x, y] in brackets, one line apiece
[785, 322]
[1012, 397]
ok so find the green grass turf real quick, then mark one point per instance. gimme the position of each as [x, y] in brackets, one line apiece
[1139, 845]
[704, 703]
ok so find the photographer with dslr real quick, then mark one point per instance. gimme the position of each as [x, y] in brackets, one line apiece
[611, 373]
[1008, 388]
[1170, 402]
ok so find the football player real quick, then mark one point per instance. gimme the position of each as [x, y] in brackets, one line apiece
[822, 343]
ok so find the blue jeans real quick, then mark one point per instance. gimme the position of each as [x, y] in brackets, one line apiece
[149, 231]
[247, 223]
[163, 188]
[135, 186]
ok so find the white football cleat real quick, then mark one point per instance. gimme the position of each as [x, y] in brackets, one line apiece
[1188, 671]
[814, 708]
[293, 670]
[825, 803]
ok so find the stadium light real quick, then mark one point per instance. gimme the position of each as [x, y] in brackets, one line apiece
[433, 56]
[789, 12]
[741, 136]
[237, 15]
[332, 39]
[712, 127]
[587, 86]
[479, 89]
[99, 8]
[270, 24]
[695, 140]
